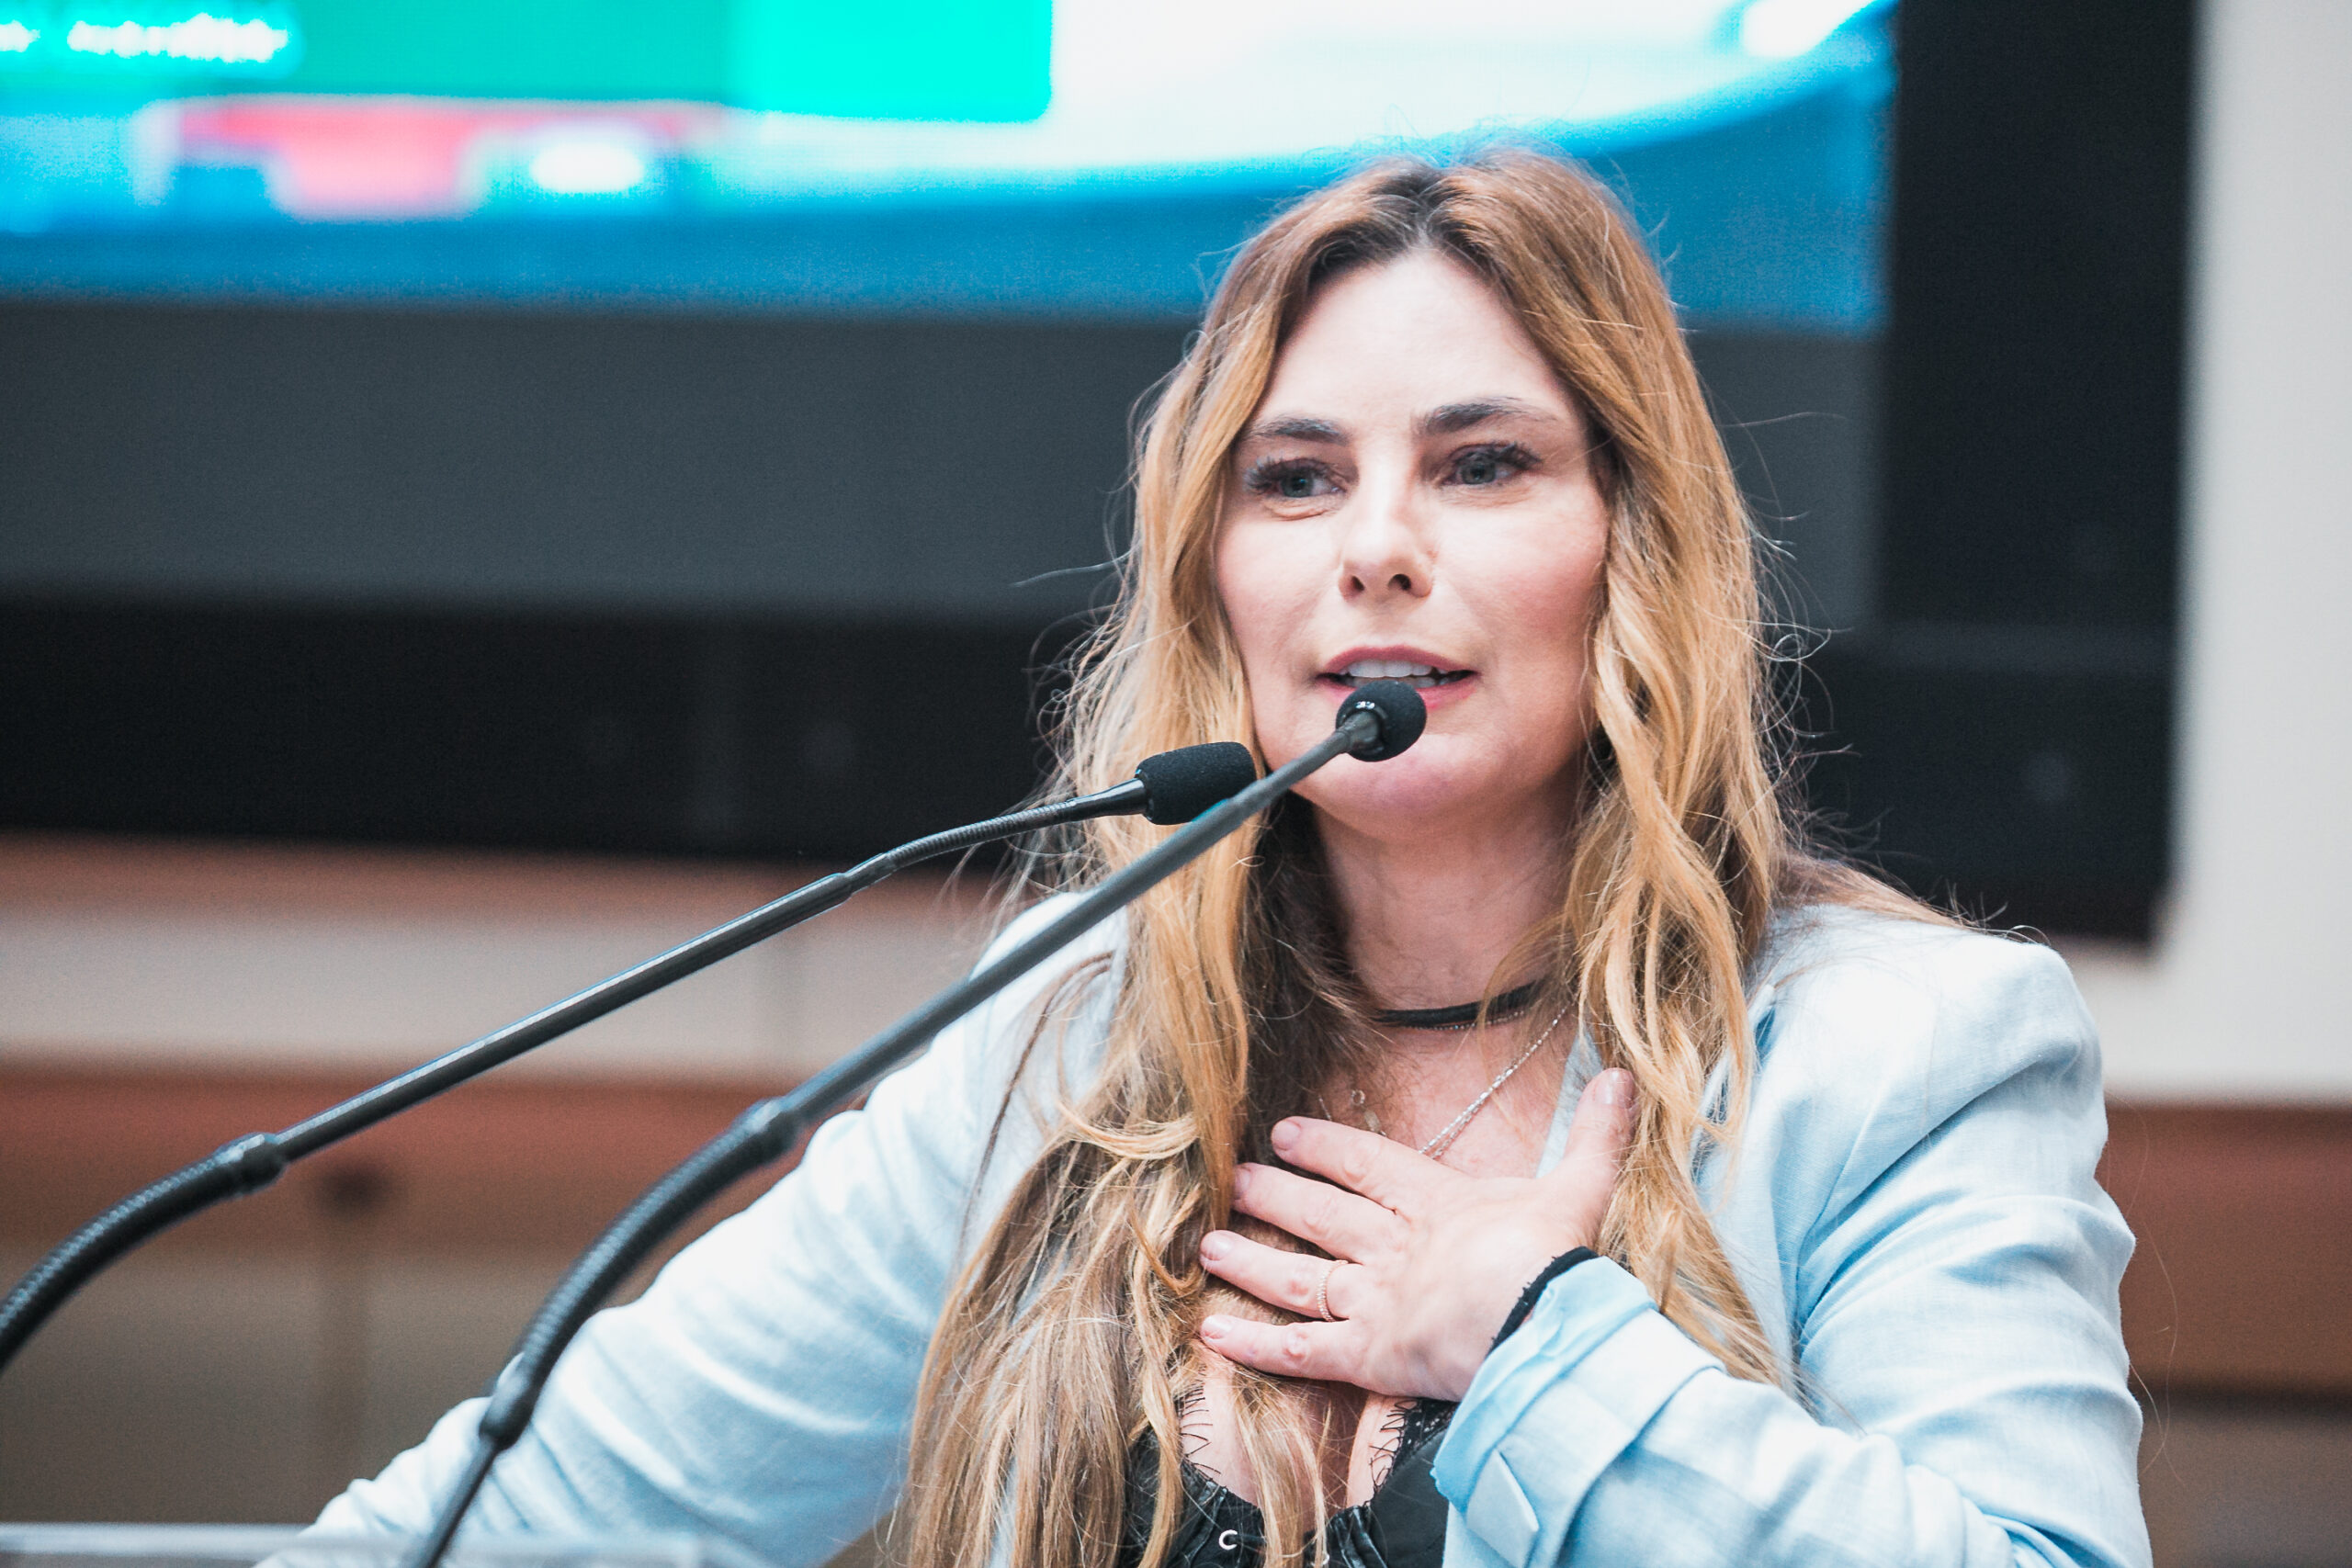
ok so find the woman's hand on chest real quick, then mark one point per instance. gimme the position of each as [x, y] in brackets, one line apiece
[1425, 1263]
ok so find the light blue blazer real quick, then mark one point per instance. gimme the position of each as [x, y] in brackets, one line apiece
[1911, 1210]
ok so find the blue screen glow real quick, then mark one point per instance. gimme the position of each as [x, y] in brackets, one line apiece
[1094, 158]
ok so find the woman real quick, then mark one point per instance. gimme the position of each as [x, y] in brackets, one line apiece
[1751, 1218]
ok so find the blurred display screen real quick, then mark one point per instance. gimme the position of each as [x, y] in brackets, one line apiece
[1088, 157]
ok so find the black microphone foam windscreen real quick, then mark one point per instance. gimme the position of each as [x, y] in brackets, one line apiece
[1401, 712]
[1182, 784]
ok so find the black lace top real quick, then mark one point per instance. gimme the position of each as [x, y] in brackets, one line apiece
[1401, 1525]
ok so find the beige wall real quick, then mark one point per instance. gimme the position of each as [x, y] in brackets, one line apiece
[2242, 996]
[273, 958]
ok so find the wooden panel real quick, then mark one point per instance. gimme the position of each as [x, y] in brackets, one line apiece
[2241, 1283]
[2243, 1280]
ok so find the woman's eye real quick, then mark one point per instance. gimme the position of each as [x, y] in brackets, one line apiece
[1292, 483]
[1484, 467]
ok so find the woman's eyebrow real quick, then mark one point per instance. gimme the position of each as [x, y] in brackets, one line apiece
[1297, 427]
[1455, 417]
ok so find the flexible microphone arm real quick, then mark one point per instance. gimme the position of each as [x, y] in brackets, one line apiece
[1377, 721]
[1174, 786]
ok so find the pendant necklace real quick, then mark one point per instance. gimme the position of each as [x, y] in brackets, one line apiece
[1435, 1149]
[1464, 1015]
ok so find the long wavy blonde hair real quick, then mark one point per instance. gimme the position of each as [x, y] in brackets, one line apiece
[1067, 1349]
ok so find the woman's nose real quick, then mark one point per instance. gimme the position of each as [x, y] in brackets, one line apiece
[1382, 553]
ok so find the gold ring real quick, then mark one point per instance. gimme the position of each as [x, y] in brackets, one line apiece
[1323, 1291]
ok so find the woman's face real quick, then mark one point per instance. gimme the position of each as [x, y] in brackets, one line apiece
[1416, 496]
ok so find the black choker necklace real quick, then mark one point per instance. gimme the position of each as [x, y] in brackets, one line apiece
[1462, 1015]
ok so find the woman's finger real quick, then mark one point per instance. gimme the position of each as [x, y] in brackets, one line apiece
[1382, 1169]
[1586, 1177]
[1295, 1282]
[1328, 1352]
[1331, 1217]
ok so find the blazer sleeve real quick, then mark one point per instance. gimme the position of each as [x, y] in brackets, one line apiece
[1928, 1124]
[760, 1388]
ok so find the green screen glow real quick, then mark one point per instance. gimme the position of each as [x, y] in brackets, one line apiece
[939, 59]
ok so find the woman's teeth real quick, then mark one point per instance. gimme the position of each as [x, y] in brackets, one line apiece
[1419, 676]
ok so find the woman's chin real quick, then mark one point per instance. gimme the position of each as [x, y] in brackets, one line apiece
[1428, 792]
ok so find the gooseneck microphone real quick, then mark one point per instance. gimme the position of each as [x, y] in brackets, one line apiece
[1375, 722]
[1172, 788]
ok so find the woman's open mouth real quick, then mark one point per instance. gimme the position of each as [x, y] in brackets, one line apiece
[1419, 676]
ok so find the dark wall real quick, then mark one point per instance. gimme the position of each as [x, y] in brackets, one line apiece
[791, 738]
[2004, 725]
[1800, 420]
[623, 582]
[632, 464]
